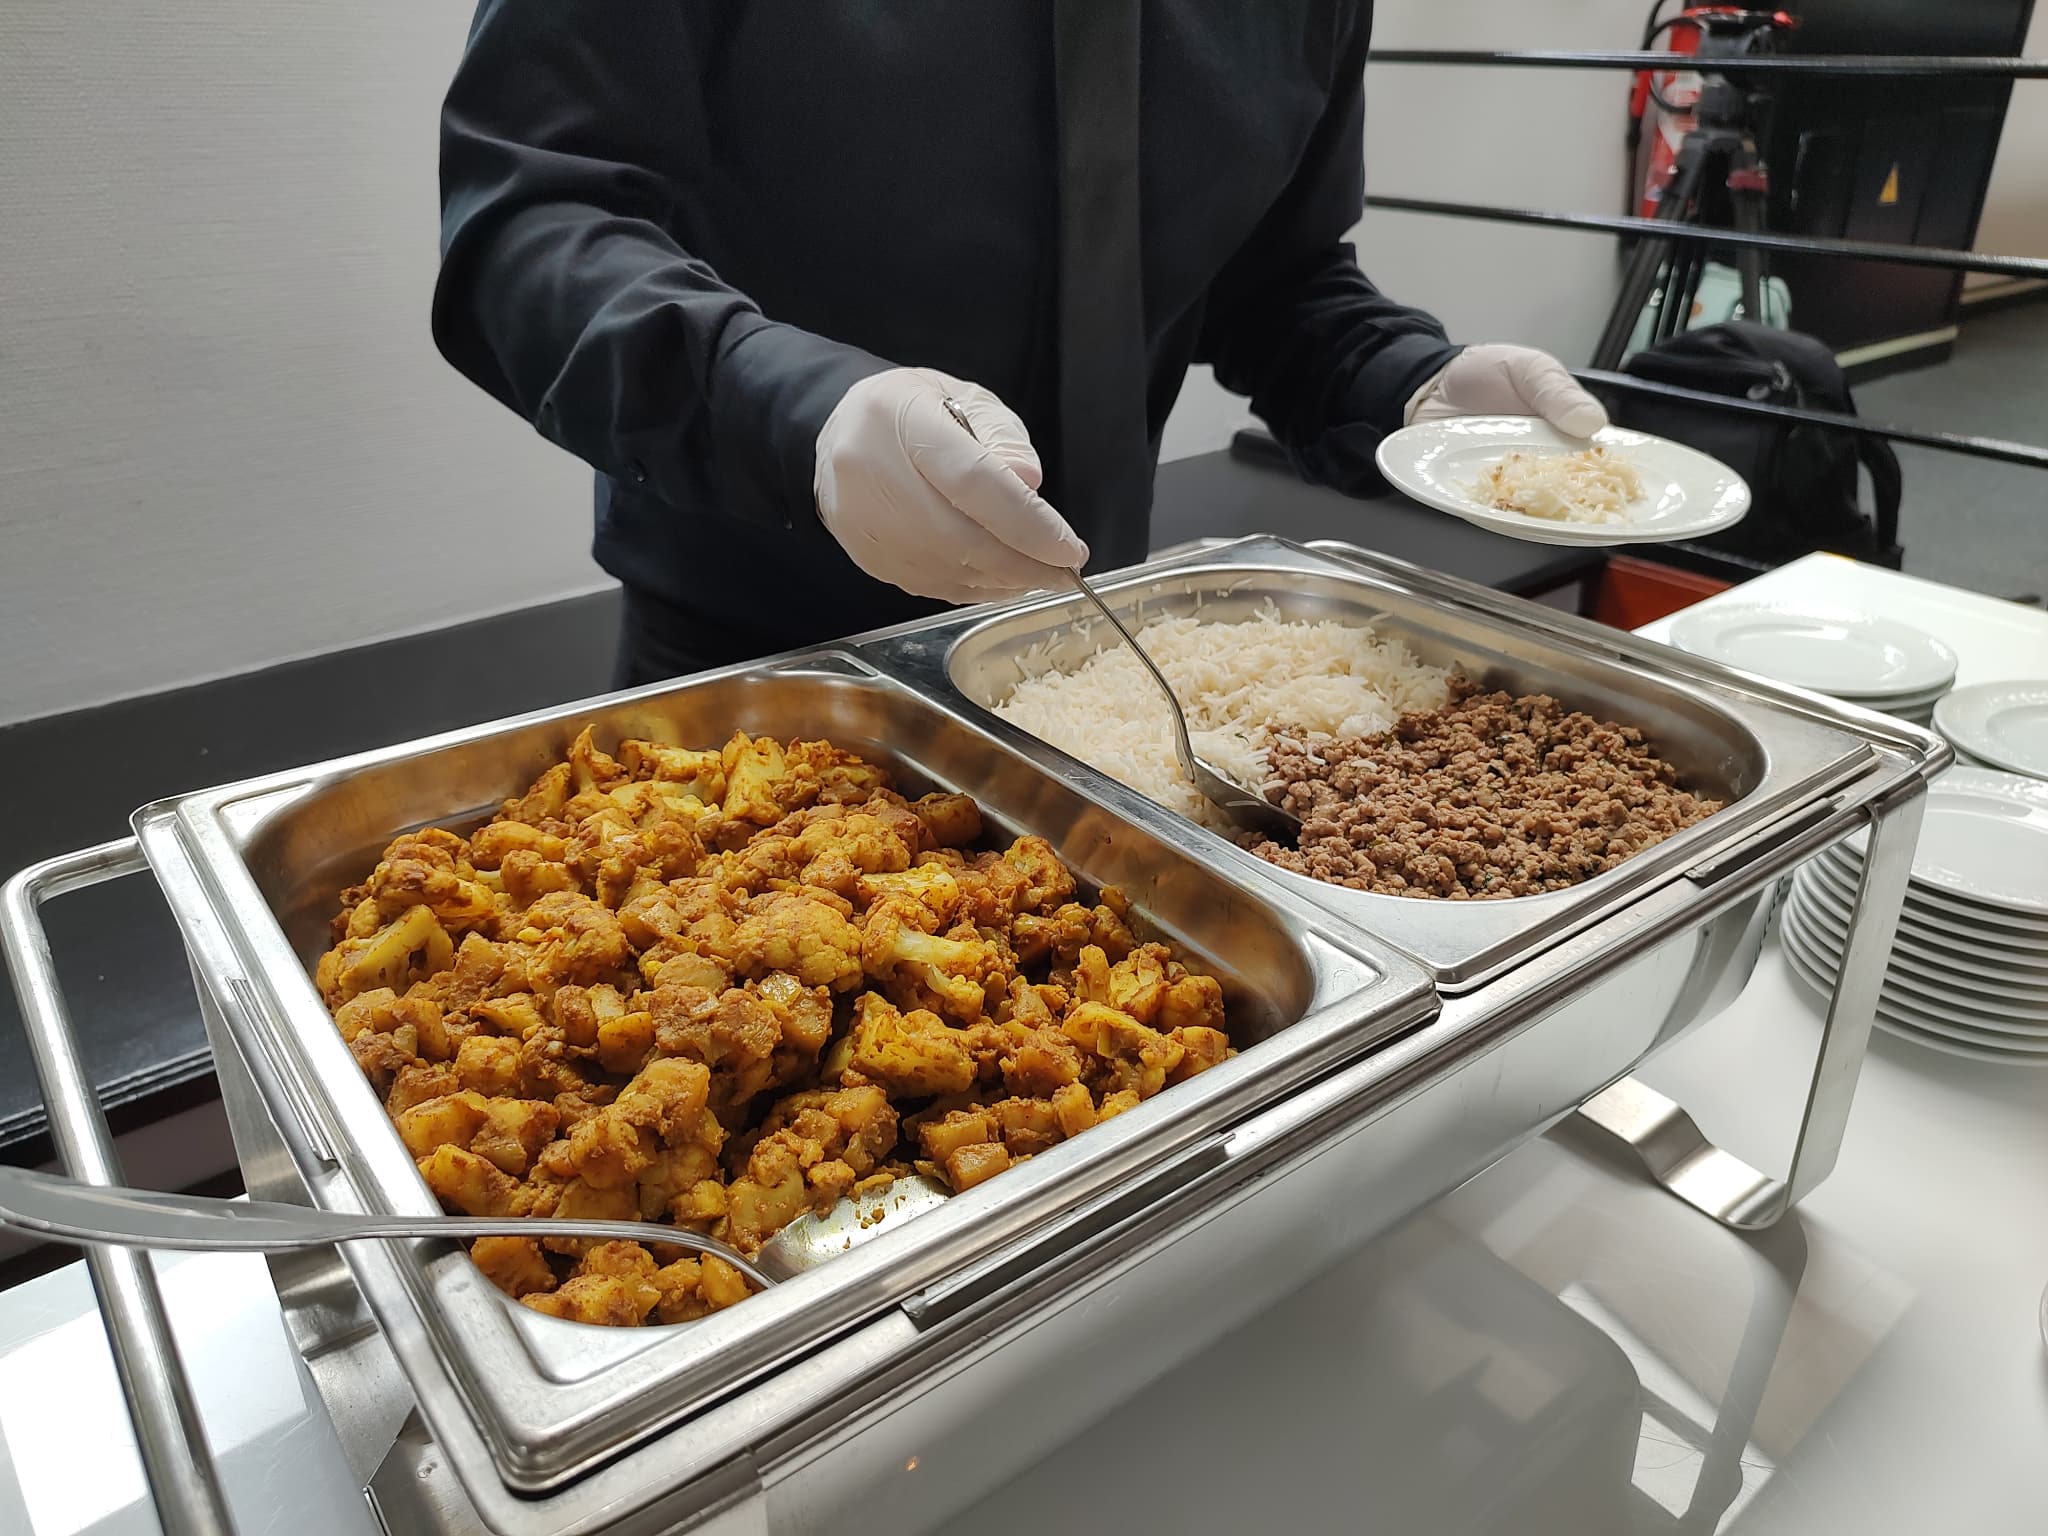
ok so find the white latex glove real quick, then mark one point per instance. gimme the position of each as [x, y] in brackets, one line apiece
[918, 503]
[1509, 381]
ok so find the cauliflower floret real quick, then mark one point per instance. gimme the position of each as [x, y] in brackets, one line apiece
[753, 769]
[590, 768]
[1038, 1060]
[802, 933]
[571, 939]
[1201, 1048]
[1191, 1002]
[1130, 1056]
[839, 777]
[701, 774]
[928, 892]
[954, 975]
[914, 1055]
[410, 948]
[1137, 983]
[432, 869]
[542, 805]
[1048, 882]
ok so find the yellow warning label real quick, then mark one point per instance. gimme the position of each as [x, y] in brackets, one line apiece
[1890, 194]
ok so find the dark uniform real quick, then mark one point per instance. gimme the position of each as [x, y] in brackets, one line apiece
[675, 232]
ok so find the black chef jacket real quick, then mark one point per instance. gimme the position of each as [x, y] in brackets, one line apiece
[675, 231]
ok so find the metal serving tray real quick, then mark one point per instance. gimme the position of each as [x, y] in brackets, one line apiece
[1368, 1089]
[254, 869]
[1765, 759]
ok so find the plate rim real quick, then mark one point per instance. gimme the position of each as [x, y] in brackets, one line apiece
[1831, 903]
[1693, 619]
[1926, 1039]
[1906, 1013]
[2012, 933]
[1969, 735]
[2032, 1024]
[1537, 530]
[1989, 782]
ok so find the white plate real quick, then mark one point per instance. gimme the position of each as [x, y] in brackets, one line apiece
[1926, 698]
[1950, 919]
[1688, 494]
[2025, 1015]
[1984, 838]
[1863, 658]
[2009, 973]
[2005, 724]
[1804, 951]
[1806, 971]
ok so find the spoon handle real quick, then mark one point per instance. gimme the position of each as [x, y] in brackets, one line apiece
[1183, 748]
[142, 1218]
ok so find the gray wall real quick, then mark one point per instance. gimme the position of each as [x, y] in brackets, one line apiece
[225, 435]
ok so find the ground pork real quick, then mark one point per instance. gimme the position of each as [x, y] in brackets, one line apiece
[1490, 796]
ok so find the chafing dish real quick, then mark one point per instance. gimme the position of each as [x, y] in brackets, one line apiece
[1394, 1048]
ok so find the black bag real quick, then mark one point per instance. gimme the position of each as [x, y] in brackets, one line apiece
[1803, 477]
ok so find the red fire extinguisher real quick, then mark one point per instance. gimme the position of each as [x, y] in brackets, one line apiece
[1661, 101]
[1655, 132]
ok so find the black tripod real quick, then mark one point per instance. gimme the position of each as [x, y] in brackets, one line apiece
[1719, 182]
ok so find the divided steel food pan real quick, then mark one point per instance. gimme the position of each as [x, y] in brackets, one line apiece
[1392, 1048]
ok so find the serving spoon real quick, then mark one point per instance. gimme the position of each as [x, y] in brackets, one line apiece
[1252, 812]
[54, 1206]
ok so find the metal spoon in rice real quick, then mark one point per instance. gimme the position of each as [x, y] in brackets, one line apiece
[1252, 812]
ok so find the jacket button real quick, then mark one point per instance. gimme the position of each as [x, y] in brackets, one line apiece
[637, 470]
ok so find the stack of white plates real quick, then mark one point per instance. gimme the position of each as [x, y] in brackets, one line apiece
[1998, 725]
[1859, 658]
[1968, 973]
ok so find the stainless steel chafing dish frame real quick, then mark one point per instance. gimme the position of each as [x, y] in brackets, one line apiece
[765, 1425]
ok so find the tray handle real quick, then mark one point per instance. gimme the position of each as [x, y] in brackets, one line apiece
[183, 1479]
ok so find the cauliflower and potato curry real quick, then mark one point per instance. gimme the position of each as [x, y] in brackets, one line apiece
[725, 988]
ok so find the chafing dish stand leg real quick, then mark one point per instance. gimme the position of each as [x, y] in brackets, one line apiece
[1671, 1146]
[168, 1432]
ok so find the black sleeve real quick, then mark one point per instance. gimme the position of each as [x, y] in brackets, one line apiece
[1328, 361]
[564, 289]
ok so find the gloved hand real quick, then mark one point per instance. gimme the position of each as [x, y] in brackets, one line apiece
[1509, 381]
[918, 503]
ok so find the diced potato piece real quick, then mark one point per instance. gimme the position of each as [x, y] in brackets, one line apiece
[969, 1165]
[1074, 1109]
[963, 1127]
[515, 1265]
[624, 1043]
[449, 1121]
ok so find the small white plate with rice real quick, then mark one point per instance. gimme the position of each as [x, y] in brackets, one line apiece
[1520, 476]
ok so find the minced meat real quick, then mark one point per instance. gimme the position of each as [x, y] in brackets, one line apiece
[1490, 796]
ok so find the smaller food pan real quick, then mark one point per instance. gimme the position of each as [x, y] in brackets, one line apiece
[253, 873]
[1765, 762]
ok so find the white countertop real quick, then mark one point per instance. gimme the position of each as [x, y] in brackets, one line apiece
[1555, 1347]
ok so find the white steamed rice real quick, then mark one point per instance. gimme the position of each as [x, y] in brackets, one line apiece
[1232, 679]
